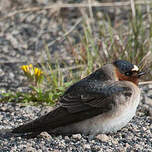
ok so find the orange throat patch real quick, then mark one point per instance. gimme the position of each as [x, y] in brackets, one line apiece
[122, 77]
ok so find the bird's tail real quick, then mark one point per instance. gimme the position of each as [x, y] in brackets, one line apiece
[5, 133]
[47, 122]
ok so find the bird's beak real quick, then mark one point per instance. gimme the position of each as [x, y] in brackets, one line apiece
[140, 73]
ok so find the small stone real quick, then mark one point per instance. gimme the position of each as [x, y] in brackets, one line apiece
[150, 86]
[86, 146]
[66, 138]
[102, 137]
[1, 73]
[45, 110]
[127, 145]
[13, 40]
[150, 111]
[30, 18]
[11, 75]
[3, 108]
[45, 135]
[30, 149]
[76, 136]
[149, 94]
[114, 141]
[138, 147]
[1, 117]
[148, 101]
[56, 150]
[42, 1]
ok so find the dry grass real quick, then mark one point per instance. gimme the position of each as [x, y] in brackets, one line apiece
[90, 4]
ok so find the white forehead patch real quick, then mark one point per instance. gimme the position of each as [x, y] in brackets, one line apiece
[135, 68]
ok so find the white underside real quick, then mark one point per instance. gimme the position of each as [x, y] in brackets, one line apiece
[110, 122]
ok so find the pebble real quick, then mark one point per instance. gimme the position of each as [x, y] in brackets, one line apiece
[45, 135]
[150, 111]
[30, 149]
[102, 137]
[86, 146]
[148, 101]
[76, 136]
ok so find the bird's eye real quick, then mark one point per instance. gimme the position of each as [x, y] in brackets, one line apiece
[128, 73]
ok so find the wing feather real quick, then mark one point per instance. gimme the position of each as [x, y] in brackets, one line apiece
[93, 94]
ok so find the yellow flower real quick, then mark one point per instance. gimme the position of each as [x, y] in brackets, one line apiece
[37, 72]
[24, 68]
[28, 68]
[32, 73]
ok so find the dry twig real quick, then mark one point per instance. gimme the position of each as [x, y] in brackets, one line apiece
[77, 5]
[146, 61]
[133, 8]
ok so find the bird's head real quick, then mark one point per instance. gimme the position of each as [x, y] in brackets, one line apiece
[125, 71]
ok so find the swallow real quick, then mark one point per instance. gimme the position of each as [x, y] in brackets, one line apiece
[103, 102]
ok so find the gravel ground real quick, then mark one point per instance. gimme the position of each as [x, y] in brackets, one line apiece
[136, 136]
[22, 39]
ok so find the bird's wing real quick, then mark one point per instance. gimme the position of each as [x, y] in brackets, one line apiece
[81, 101]
[86, 95]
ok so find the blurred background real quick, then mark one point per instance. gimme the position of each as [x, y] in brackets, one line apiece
[72, 38]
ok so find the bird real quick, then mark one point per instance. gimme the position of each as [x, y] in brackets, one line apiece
[102, 102]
